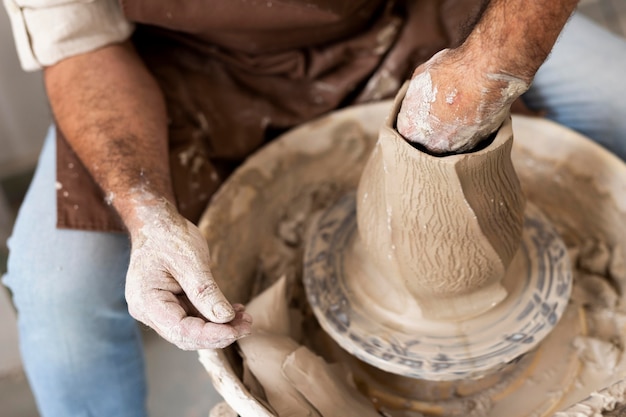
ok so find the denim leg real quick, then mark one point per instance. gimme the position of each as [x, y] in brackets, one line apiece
[82, 351]
[582, 84]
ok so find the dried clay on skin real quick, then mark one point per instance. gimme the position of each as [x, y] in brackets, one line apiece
[417, 123]
[169, 256]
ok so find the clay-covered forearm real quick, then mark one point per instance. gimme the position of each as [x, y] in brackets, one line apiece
[515, 36]
[113, 115]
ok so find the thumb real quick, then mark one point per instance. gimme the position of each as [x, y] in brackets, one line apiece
[203, 292]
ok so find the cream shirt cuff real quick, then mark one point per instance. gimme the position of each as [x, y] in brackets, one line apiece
[47, 31]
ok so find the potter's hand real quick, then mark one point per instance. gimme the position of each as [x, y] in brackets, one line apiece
[462, 95]
[113, 113]
[454, 100]
[169, 286]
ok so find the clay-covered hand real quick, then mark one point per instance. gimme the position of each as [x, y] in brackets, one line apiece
[170, 288]
[455, 100]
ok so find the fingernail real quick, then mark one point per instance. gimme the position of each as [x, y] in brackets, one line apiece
[223, 310]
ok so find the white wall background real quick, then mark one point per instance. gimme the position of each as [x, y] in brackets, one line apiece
[24, 113]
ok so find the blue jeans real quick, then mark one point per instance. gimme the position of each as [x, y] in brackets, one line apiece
[82, 351]
[582, 84]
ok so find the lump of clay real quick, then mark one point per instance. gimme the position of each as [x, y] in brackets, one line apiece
[270, 311]
[294, 380]
[264, 354]
[597, 353]
[594, 291]
[617, 267]
[594, 258]
[315, 379]
[265, 350]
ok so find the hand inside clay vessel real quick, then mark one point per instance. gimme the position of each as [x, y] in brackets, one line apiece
[455, 100]
[170, 288]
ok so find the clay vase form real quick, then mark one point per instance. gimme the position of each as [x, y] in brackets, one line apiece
[437, 268]
[441, 230]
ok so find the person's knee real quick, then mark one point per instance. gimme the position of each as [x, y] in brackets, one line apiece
[71, 311]
[581, 84]
[610, 132]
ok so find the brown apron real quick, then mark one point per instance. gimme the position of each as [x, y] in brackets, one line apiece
[235, 73]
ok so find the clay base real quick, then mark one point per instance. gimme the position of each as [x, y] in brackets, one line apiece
[515, 390]
[347, 295]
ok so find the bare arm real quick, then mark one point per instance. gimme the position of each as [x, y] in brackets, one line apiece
[516, 36]
[462, 95]
[113, 115]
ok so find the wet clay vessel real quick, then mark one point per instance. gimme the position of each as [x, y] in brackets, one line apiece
[438, 269]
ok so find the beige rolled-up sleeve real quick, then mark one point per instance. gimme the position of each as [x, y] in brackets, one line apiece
[47, 31]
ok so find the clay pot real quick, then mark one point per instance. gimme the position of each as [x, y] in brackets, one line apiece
[440, 229]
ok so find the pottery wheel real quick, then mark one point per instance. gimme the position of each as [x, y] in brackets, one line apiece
[538, 283]
[578, 185]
